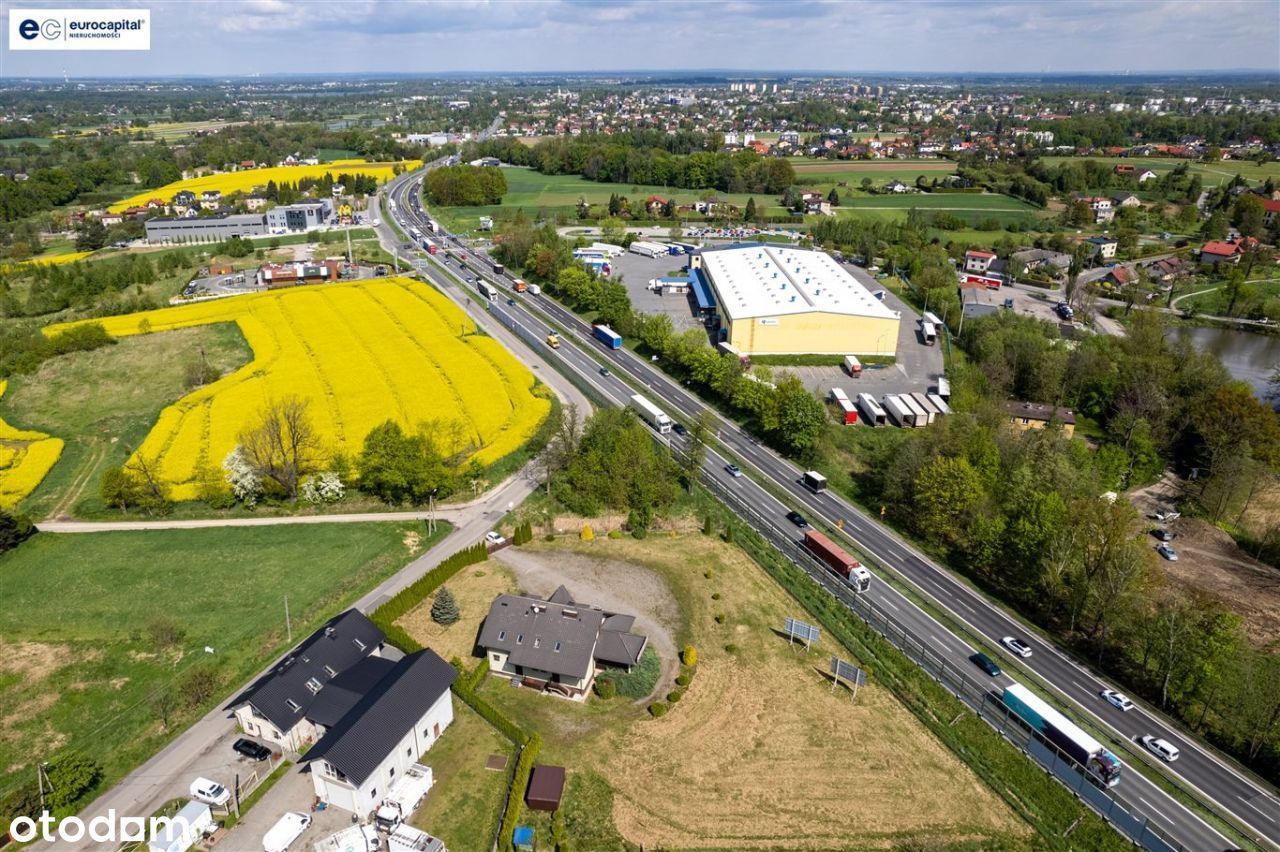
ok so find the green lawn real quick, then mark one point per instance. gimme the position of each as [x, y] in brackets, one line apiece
[103, 403]
[463, 807]
[940, 201]
[558, 195]
[41, 141]
[829, 173]
[1212, 174]
[79, 656]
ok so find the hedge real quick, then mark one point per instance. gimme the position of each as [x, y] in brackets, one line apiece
[386, 615]
[490, 714]
[519, 782]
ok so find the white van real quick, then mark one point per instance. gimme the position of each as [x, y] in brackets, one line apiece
[210, 792]
[1161, 748]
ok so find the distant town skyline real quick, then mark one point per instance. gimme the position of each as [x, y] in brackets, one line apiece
[274, 37]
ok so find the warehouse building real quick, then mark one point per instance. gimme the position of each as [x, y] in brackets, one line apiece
[300, 217]
[206, 229]
[774, 300]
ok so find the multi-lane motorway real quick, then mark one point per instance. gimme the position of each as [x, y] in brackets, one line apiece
[1252, 805]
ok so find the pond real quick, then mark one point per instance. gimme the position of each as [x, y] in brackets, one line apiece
[1252, 358]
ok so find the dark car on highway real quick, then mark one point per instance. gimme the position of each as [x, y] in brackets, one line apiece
[798, 519]
[985, 663]
[251, 749]
[679, 429]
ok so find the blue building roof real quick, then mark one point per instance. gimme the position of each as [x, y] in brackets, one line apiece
[701, 292]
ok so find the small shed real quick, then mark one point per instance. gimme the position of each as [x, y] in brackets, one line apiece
[522, 838]
[184, 830]
[546, 786]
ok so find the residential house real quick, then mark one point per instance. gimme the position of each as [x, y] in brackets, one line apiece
[1104, 248]
[789, 137]
[978, 261]
[1224, 251]
[1036, 415]
[253, 204]
[1101, 207]
[1166, 270]
[1125, 199]
[277, 707]
[1270, 209]
[557, 645]
[378, 738]
[183, 200]
[655, 204]
[211, 199]
[1119, 276]
[1044, 261]
[110, 219]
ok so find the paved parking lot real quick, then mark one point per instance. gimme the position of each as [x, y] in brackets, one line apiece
[637, 271]
[293, 792]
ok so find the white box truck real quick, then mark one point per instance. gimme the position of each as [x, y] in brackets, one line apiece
[286, 830]
[355, 838]
[651, 414]
[406, 793]
[852, 365]
[814, 481]
[940, 404]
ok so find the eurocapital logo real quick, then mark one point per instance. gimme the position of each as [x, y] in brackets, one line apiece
[79, 29]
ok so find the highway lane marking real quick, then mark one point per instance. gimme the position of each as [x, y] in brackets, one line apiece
[1265, 815]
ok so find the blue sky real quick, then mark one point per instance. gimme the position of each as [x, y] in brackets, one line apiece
[238, 37]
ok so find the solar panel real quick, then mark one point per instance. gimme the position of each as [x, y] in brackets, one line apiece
[800, 630]
[848, 671]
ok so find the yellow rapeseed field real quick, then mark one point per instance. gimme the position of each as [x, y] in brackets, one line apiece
[25, 458]
[246, 179]
[55, 260]
[361, 353]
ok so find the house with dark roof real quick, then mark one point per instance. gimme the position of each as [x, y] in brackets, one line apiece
[310, 687]
[383, 733]
[1037, 415]
[557, 645]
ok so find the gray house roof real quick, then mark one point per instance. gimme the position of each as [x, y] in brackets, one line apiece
[559, 636]
[345, 691]
[379, 721]
[283, 695]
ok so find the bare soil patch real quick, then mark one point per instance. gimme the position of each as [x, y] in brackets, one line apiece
[33, 660]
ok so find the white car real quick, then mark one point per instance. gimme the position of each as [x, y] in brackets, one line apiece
[1017, 646]
[1162, 748]
[209, 792]
[1117, 699]
[1167, 552]
[494, 537]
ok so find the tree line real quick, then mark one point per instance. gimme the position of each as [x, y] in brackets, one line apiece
[465, 186]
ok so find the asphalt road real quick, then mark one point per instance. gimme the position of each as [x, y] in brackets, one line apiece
[1212, 777]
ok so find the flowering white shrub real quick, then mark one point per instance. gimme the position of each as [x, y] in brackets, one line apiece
[324, 487]
[244, 479]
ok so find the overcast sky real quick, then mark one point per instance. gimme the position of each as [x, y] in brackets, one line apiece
[239, 37]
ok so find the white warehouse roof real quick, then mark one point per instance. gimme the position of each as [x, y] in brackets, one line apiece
[765, 281]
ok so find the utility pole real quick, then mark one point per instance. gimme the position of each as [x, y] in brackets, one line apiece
[41, 778]
[288, 626]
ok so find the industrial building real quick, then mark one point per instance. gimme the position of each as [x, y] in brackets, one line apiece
[301, 216]
[206, 229]
[774, 300]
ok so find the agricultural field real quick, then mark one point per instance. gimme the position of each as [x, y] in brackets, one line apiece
[247, 179]
[826, 173]
[102, 403]
[359, 353]
[759, 753]
[558, 195]
[1211, 174]
[147, 604]
[26, 457]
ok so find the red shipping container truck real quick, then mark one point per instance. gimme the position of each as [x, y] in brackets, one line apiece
[837, 560]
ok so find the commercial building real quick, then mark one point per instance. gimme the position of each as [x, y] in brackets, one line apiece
[274, 275]
[782, 301]
[301, 216]
[206, 229]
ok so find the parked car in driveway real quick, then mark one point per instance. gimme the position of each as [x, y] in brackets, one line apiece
[1162, 748]
[1016, 646]
[209, 792]
[1162, 534]
[494, 537]
[1117, 699]
[250, 749]
[985, 663]
[1167, 552]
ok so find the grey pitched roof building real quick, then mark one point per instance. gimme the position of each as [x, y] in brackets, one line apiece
[286, 694]
[367, 732]
[558, 635]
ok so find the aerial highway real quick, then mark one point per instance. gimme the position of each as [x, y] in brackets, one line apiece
[1252, 804]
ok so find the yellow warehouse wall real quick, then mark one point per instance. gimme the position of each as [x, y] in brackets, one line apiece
[816, 333]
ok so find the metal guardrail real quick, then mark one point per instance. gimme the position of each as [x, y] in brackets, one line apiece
[1109, 803]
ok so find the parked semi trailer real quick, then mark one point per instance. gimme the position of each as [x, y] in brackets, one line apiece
[840, 562]
[872, 414]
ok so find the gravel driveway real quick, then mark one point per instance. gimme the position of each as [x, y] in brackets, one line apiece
[610, 585]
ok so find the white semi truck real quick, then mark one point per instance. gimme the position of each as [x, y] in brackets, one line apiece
[651, 414]
[406, 793]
